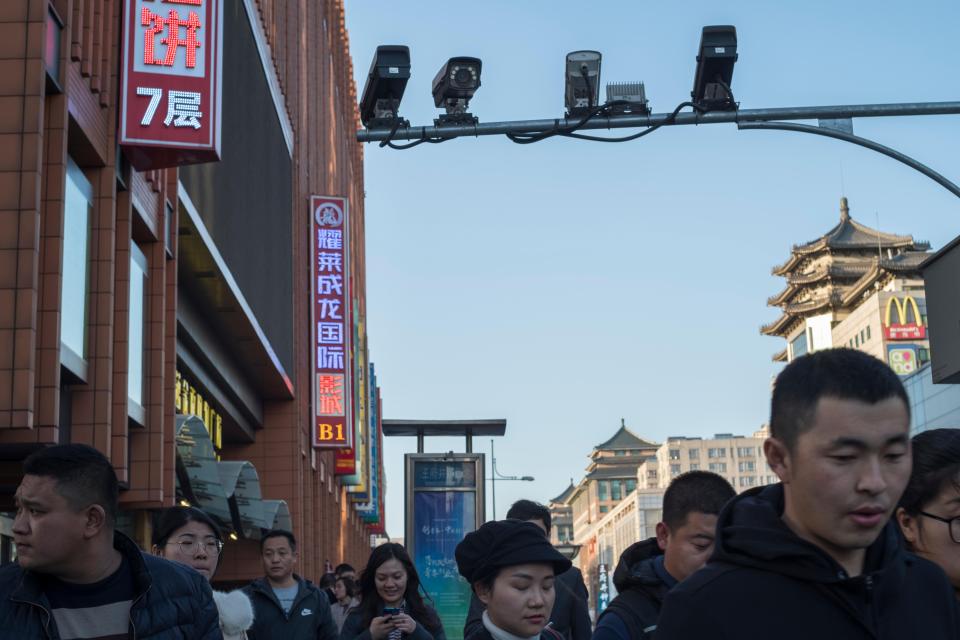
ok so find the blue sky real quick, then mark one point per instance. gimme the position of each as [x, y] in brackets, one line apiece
[566, 285]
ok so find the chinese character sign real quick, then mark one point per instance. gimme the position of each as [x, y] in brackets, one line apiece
[330, 321]
[170, 111]
[603, 588]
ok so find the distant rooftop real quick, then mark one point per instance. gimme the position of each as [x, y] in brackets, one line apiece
[624, 439]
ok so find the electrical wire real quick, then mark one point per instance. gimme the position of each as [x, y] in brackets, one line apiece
[648, 130]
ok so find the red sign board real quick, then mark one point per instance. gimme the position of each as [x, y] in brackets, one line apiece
[330, 322]
[170, 94]
[345, 463]
[909, 323]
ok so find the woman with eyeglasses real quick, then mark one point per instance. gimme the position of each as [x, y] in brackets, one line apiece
[189, 536]
[929, 511]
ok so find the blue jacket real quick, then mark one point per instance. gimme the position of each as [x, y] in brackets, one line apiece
[170, 601]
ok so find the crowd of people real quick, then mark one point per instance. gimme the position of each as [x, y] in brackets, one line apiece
[859, 539]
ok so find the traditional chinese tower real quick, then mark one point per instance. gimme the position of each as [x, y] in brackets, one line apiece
[853, 286]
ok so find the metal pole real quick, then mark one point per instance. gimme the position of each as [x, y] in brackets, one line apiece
[664, 119]
[863, 142]
[493, 479]
[420, 439]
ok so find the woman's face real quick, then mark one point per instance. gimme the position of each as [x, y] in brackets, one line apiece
[521, 599]
[340, 591]
[194, 545]
[931, 538]
[391, 582]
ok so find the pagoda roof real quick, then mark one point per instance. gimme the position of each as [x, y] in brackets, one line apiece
[619, 471]
[848, 234]
[626, 439]
[780, 356]
[563, 497]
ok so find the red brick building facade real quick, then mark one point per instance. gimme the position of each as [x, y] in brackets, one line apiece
[178, 283]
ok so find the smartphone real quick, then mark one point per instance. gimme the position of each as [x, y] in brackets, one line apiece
[391, 611]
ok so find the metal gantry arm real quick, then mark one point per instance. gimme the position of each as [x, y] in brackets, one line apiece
[744, 118]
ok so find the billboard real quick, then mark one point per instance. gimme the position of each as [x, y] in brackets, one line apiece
[170, 95]
[902, 359]
[330, 323]
[909, 324]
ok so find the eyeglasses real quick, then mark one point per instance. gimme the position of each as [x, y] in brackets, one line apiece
[189, 547]
[952, 523]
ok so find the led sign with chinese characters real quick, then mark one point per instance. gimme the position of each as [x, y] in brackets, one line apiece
[330, 295]
[170, 101]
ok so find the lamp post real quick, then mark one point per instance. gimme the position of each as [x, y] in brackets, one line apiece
[495, 475]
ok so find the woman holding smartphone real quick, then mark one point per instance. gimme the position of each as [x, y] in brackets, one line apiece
[391, 604]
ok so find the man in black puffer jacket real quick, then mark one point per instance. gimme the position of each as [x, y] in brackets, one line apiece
[78, 578]
[817, 555]
[649, 569]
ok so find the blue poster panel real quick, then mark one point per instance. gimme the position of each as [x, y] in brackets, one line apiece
[441, 519]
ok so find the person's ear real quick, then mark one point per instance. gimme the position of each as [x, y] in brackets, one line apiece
[95, 521]
[156, 550]
[663, 535]
[909, 526]
[778, 457]
[483, 592]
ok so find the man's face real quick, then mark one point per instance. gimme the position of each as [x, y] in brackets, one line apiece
[48, 532]
[845, 474]
[278, 558]
[687, 548]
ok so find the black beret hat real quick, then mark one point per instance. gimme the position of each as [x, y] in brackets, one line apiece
[504, 543]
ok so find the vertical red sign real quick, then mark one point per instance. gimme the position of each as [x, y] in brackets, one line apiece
[330, 321]
[171, 88]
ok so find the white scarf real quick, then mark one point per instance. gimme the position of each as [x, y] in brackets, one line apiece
[500, 634]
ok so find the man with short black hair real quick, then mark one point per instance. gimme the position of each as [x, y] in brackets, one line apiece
[648, 569]
[76, 576]
[569, 617]
[817, 554]
[286, 606]
[345, 570]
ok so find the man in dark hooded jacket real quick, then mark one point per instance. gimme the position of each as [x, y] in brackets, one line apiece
[817, 555]
[650, 568]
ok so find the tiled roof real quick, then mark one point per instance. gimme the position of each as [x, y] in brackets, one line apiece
[626, 439]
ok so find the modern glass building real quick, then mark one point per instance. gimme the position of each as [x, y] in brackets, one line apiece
[932, 406]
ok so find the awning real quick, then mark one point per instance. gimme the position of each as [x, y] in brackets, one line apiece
[229, 490]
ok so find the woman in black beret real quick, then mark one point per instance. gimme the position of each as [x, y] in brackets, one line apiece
[391, 607]
[511, 567]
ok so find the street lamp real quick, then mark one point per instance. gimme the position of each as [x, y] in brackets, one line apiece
[496, 475]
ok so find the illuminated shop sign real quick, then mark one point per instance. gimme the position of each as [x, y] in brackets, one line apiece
[902, 359]
[171, 87]
[909, 324]
[330, 322]
[189, 401]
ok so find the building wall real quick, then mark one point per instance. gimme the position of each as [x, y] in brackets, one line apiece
[41, 402]
[738, 459]
[932, 406]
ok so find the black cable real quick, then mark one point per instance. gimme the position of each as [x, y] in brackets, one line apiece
[648, 130]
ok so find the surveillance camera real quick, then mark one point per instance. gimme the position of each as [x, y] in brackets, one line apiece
[455, 83]
[715, 60]
[385, 85]
[582, 81]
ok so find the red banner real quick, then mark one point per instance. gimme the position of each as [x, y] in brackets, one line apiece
[171, 88]
[345, 463]
[330, 322]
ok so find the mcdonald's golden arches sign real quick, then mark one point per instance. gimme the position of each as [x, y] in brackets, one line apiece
[909, 323]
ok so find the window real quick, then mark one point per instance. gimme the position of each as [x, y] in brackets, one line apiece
[868, 332]
[748, 465]
[674, 470]
[694, 454]
[619, 453]
[799, 345]
[747, 481]
[674, 454]
[617, 490]
[77, 212]
[631, 486]
[717, 452]
[694, 466]
[923, 355]
[136, 362]
[603, 489]
[718, 467]
[604, 508]
[856, 340]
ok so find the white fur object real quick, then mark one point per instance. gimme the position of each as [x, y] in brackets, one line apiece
[236, 613]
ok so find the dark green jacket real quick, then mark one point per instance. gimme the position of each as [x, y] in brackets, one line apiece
[309, 617]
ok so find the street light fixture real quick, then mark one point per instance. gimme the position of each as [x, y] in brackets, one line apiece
[496, 475]
[718, 54]
[582, 76]
[385, 85]
[453, 88]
